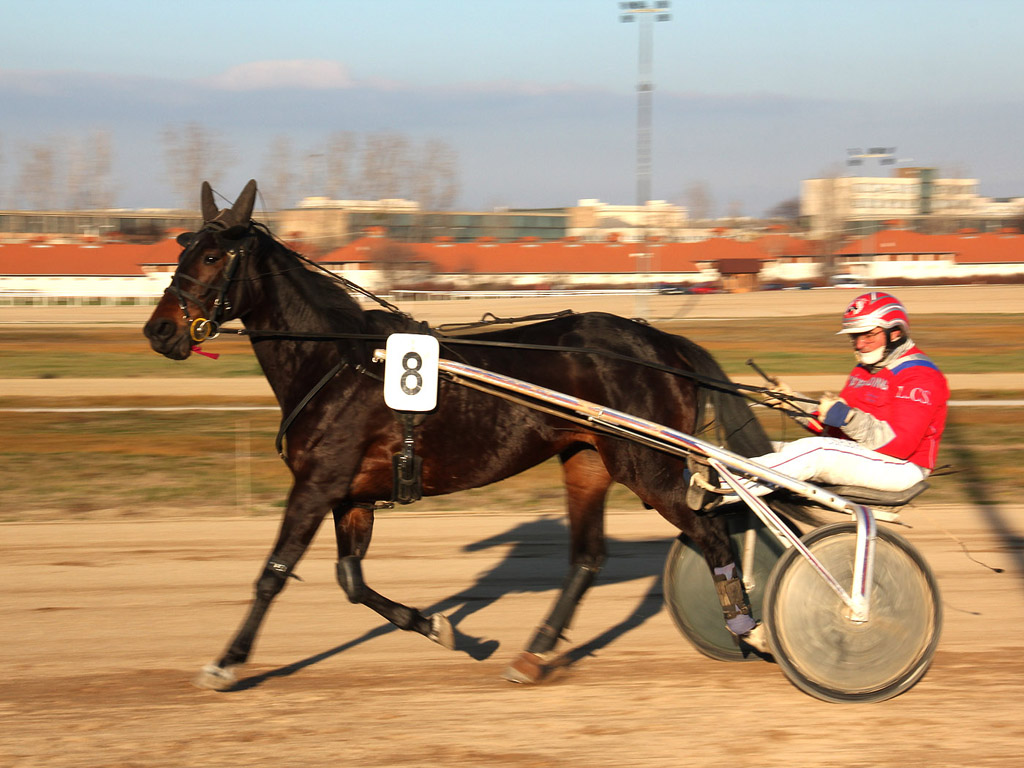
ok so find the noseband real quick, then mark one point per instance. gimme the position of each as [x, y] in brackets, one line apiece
[234, 243]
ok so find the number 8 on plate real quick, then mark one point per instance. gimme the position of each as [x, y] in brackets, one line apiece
[410, 372]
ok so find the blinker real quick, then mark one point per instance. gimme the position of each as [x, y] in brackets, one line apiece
[236, 232]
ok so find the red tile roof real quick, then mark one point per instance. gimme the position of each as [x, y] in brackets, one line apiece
[898, 241]
[966, 248]
[67, 259]
[989, 248]
[723, 249]
[562, 256]
[527, 257]
[776, 245]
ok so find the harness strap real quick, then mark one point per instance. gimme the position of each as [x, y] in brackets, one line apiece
[287, 422]
[490, 319]
[709, 381]
[720, 384]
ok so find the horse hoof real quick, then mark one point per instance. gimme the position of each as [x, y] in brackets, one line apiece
[214, 678]
[528, 669]
[441, 631]
[757, 638]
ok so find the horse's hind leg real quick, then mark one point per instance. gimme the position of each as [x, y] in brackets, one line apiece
[353, 527]
[586, 482]
[712, 537]
[711, 534]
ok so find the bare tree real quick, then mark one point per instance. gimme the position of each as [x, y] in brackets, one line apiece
[434, 181]
[193, 154]
[101, 177]
[88, 185]
[787, 210]
[37, 181]
[279, 173]
[698, 201]
[396, 262]
[384, 171]
[338, 163]
[735, 212]
[76, 174]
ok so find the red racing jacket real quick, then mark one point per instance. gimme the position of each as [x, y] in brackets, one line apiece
[899, 408]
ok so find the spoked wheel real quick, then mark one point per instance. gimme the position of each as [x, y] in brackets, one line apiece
[833, 658]
[690, 594]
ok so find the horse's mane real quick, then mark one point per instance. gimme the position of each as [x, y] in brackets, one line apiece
[326, 296]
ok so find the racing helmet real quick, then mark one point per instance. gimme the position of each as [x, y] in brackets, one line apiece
[875, 310]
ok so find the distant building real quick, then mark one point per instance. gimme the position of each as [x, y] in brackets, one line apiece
[591, 219]
[916, 197]
[44, 273]
[144, 224]
[326, 224]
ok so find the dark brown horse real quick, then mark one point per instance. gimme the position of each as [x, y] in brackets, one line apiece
[306, 328]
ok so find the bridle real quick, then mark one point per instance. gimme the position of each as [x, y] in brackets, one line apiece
[211, 297]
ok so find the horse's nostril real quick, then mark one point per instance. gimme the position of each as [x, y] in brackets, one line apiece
[161, 329]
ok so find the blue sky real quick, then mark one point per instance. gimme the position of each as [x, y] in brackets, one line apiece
[538, 98]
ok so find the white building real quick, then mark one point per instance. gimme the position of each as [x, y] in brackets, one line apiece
[915, 196]
[591, 219]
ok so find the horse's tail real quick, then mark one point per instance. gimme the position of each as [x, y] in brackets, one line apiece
[722, 410]
[728, 413]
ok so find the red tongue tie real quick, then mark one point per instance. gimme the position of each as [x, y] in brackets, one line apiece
[199, 351]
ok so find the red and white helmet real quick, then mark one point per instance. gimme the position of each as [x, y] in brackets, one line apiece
[875, 310]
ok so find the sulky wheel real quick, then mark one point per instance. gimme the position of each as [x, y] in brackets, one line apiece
[690, 593]
[829, 656]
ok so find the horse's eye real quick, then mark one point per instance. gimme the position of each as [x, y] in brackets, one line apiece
[211, 258]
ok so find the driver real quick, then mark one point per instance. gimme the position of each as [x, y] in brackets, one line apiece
[883, 429]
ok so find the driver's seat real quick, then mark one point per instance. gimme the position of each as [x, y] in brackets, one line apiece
[874, 498]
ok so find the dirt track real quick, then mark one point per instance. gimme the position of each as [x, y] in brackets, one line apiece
[105, 623]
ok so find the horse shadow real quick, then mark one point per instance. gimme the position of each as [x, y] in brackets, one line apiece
[536, 561]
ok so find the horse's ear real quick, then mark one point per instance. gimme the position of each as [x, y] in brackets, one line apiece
[208, 206]
[241, 211]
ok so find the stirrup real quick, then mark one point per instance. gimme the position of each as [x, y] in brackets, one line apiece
[702, 489]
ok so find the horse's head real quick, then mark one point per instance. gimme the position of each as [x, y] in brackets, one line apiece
[203, 292]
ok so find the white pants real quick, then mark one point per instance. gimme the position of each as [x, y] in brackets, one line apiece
[833, 461]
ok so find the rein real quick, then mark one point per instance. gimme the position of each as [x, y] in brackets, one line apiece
[709, 381]
[236, 242]
[491, 319]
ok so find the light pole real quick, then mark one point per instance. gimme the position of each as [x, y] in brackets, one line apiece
[644, 13]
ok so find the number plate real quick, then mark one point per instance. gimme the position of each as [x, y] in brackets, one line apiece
[410, 372]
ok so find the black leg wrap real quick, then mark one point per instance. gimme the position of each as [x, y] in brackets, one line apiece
[272, 580]
[733, 599]
[577, 582]
[405, 618]
[349, 571]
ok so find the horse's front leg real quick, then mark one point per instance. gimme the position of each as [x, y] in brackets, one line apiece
[306, 509]
[353, 527]
[586, 482]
